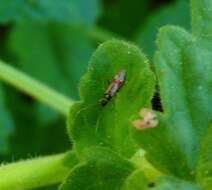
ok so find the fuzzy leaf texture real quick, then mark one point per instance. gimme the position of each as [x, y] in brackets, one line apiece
[184, 70]
[108, 127]
[93, 124]
[101, 169]
[204, 176]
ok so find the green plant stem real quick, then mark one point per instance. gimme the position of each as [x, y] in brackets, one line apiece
[34, 88]
[33, 173]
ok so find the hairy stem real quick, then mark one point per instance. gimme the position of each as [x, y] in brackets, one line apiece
[33, 173]
[34, 88]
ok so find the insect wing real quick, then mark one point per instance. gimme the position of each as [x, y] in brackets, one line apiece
[121, 76]
[114, 87]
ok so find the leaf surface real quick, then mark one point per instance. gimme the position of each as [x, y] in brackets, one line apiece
[204, 172]
[56, 55]
[185, 84]
[101, 169]
[93, 124]
[183, 67]
[135, 181]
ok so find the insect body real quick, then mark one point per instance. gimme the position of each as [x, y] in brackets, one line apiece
[115, 85]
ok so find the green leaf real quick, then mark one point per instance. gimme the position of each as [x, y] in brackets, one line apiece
[68, 11]
[130, 13]
[70, 160]
[135, 181]
[176, 13]
[160, 150]
[180, 122]
[201, 18]
[102, 169]
[204, 175]
[170, 183]
[183, 67]
[56, 55]
[30, 139]
[52, 55]
[6, 124]
[93, 124]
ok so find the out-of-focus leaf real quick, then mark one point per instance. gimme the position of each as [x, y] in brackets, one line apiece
[6, 124]
[33, 137]
[56, 54]
[53, 187]
[123, 17]
[90, 123]
[176, 13]
[68, 11]
[73, 47]
[101, 170]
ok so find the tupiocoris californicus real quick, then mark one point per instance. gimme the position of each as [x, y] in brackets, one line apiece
[114, 87]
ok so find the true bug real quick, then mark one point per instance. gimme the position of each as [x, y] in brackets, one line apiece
[115, 85]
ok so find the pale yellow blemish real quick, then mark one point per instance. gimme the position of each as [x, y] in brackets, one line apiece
[148, 119]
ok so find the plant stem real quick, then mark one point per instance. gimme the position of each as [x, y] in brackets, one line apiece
[33, 173]
[35, 88]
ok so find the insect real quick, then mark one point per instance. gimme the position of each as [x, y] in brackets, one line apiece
[115, 85]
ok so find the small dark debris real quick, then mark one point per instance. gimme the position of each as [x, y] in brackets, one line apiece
[152, 184]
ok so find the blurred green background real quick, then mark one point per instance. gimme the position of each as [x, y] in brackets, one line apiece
[52, 41]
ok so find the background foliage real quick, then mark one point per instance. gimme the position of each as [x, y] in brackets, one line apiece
[53, 42]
